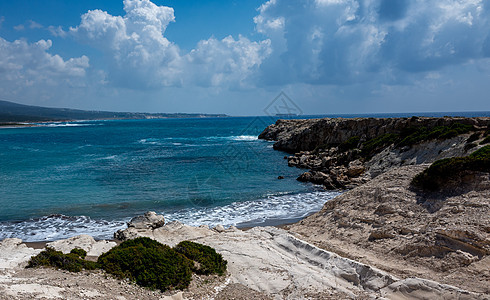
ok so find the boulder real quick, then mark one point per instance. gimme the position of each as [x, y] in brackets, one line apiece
[150, 220]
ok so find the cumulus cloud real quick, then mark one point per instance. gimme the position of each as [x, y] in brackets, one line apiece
[35, 25]
[142, 57]
[24, 65]
[19, 27]
[348, 41]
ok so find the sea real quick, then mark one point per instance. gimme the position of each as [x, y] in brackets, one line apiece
[62, 179]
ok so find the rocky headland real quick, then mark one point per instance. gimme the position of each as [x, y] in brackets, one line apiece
[345, 153]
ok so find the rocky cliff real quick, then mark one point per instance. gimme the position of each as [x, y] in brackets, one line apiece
[344, 153]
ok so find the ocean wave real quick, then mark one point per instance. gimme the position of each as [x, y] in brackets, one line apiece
[244, 138]
[255, 212]
[65, 124]
[56, 227]
[184, 141]
[247, 213]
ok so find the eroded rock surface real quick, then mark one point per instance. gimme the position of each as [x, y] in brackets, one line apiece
[387, 223]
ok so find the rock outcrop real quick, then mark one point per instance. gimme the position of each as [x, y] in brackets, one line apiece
[85, 242]
[279, 265]
[388, 224]
[344, 153]
[149, 221]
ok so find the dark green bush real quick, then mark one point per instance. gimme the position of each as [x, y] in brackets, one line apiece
[72, 262]
[414, 135]
[80, 252]
[440, 171]
[485, 140]
[373, 145]
[351, 143]
[209, 262]
[475, 136]
[148, 263]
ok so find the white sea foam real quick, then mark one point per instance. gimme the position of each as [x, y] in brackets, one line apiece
[244, 138]
[254, 212]
[59, 227]
[273, 207]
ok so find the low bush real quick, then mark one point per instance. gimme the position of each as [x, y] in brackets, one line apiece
[208, 261]
[73, 261]
[148, 263]
[415, 135]
[475, 136]
[351, 143]
[373, 145]
[142, 260]
[485, 140]
[440, 171]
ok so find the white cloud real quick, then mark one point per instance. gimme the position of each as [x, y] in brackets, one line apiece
[35, 25]
[19, 27]
[29, 66]
[349, 41]
[142, 57]
[57, 31]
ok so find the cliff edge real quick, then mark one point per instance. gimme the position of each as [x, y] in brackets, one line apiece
[345, 153]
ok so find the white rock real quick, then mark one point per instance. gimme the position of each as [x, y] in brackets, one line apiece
[14, 254]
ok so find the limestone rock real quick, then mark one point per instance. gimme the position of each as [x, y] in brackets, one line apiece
[150, 220]
[85, 242]
[14, 253]
[219, 228]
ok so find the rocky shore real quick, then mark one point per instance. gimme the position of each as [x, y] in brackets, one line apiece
[345, 153]
[382, 238]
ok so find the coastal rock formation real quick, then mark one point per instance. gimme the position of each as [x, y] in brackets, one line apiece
[85, 242]
[13, 253]
[150, 220]
[389, 224]
[263, 263]
[276, 264]
[345, 153]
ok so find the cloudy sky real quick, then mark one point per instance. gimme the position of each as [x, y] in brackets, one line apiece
[235, 57]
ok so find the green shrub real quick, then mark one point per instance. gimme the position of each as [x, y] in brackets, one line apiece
[371, 146]
[475, 136]
[209, 262]
[351, 143]
[148, 263]
[485, 140]
[440, 171]
[72, 262]
[414, 135]
[80, 252]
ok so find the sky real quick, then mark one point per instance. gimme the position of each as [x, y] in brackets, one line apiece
[237, 57]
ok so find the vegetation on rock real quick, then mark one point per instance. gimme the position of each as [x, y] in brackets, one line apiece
[351, 143]
[142, 260]
[73, 261]
[208, 261]
[442, 170]
[485, 140]
[148, 263]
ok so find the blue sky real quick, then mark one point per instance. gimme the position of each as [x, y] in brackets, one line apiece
[235, 57]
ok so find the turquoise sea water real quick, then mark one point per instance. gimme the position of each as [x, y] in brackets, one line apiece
[63, 179]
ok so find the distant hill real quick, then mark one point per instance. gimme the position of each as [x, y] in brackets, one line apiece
[13, 112]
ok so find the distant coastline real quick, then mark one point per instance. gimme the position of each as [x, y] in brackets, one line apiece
[19, 115]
